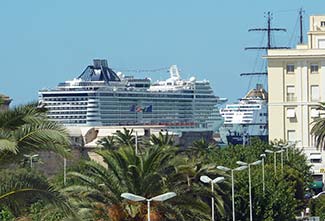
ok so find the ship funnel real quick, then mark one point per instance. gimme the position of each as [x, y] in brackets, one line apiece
[174, 72]
[99, 63]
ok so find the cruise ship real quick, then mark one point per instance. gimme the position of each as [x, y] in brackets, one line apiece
[103, 97]
[246, 119]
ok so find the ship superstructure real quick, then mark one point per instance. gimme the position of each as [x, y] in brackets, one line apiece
[247, 118]
[101, 97]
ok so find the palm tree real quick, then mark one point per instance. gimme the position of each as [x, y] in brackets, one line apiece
[149, 174]
[162, 140]
[20, 188]
[318, 128]
[201, 147]
[125, 137]
[107, 142]
[25, 130]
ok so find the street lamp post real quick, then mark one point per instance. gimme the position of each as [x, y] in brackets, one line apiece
[249, 184]
[64, 171]
[136, 198]
[263, 155]
[65, 168]
[31, 158]
[136, 142]
[226, 169]
[274, 158]
[274, 154]
[281, 151]
[206, 179]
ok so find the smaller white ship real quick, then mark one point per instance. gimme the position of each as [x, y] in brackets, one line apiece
[246, 119]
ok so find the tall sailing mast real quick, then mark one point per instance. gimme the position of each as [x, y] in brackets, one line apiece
[269, 45]
[301, 39]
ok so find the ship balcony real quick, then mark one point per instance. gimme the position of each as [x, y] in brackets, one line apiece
[93, 109]
[291, 97]
[93, 117]
[93, 100]
[92, 105]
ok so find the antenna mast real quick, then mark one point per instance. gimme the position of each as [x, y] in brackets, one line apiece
[301, 27]
[269, 30]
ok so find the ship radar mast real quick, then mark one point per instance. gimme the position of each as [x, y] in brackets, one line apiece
[174, 72]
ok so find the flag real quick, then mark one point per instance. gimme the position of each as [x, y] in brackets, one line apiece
[148, 109]
[132, 109]
[139, 109]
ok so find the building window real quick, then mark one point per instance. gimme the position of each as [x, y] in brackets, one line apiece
[322, 23]
[314, 68]
[315, 157]
[290, 68]
[291, 135]
[291, 113]
[314, 89]
[291, 93]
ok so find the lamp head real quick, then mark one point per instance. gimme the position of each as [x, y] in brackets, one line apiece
[240, 168]
[132, 197]
[241, 163]
[163, 197]
[223, 168]
[205, 179]
[218, 180]
[256, 162]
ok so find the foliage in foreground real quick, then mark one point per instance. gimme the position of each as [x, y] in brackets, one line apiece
[94, 190]
[25, 130]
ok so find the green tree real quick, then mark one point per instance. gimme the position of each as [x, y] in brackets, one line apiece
[162, 140]
[318, 128]
[148, 174]
[24, 130]
[107, 142]
[125, 137]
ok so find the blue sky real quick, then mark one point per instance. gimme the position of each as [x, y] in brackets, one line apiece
[47, 42]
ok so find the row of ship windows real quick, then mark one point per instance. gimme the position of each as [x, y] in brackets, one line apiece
[119, 103]
[68, 108]
[63, 97]
[67, 117]
[66, 112]
[244, 114]
[73, 121]
[68, 103]
[244, 117]
[127, 108]
[243, 106]
[66, 99]
[232, 114]
[243, 121]
[237, 110]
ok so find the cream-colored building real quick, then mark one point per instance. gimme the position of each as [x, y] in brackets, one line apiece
[296, 79]
[4, 102]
